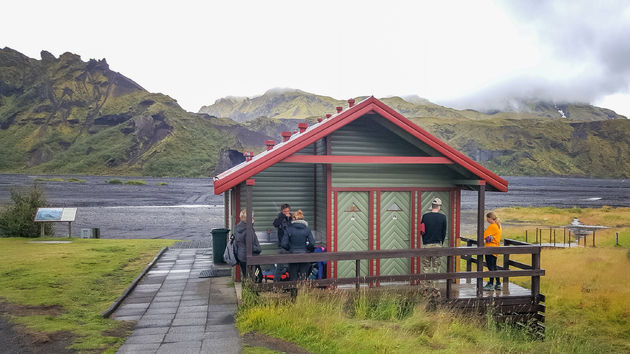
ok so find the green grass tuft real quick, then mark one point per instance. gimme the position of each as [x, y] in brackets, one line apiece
[136, 182]
[114, 181]
[162, 184]
[52, 179]
[75, 180]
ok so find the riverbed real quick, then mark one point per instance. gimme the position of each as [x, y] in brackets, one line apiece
[187, 209]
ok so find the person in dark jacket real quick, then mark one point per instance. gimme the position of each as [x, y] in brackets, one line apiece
[282, 221]
[298, 239]
[434, 235]
[240, 235]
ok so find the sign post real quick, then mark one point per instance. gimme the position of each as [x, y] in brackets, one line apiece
[45, 215]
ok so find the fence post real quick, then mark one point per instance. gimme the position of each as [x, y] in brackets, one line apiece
[526, 236]
[358, 273]
[617, 239]
[593, 238]
[554, 237]
[536, 278]
[481, 203]
[249, 234]
[449, 259]
[506, 266]
[550, 235]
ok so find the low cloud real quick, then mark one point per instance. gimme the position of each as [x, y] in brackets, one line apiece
[591, 36]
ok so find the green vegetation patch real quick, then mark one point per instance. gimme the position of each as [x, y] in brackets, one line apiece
[162, 184]
[52, 179]
[81, 279]
[114, 181]
[75, 180]
[136, 182]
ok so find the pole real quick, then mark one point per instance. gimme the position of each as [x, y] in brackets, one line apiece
[481, 202]
[617, 239]
[593, 238]
[69, 229]
[41, 229]
[526, 236]
[550, 235]
[554, 237]
[249, 245]
[564, 236]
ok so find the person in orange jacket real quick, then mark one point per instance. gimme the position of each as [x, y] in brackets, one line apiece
[492, 238]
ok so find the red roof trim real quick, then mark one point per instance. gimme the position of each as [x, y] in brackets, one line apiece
[238, 174]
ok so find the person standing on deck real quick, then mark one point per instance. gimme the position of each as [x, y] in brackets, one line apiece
[240, 235]
[281, 223]
[299, 239]
[492, 238]
[433, 236]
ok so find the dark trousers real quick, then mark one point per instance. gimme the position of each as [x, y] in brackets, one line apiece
[299, 271]
[244, 269]
[491, 260]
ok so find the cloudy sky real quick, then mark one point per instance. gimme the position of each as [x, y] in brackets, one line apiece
[466, 54]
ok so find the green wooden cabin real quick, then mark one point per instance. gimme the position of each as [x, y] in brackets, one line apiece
[363, 178]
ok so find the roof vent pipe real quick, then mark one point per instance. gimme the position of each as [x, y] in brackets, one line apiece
[302, 127]
[270, 144]
[248, 155]
[286, 136]
[328, 115]
[295, 132]
[320, 119]
[351, 102]
[339, 109]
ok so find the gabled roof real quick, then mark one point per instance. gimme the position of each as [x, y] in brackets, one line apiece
[262, 161]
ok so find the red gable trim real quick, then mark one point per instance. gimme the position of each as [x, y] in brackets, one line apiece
[346, 159]
[237, 175]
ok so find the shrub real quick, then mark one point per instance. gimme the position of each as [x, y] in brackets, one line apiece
[136, 182]
[114, 181]
[162, 183]
[53, 179]
[17, 220]
[75, 180]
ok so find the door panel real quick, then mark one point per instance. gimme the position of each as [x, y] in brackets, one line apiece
[353, 231]
[395, 232]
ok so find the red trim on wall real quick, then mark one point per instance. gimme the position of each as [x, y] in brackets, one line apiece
[329, 209]
[390, 189]
[371, 221]
[412, 208]
[418, 234]
[378, 230]
[335, 247]
[351, 159]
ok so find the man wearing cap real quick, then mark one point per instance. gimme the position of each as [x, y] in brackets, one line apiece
[433, 236]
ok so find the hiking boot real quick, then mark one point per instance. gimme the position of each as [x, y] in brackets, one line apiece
[488, 286]
[497, 287]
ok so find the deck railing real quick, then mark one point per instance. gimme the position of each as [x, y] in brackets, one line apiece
[467, 253]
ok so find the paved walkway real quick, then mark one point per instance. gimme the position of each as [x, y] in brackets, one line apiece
[178, 312]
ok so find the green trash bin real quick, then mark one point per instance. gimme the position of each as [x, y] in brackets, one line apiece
[219, 241]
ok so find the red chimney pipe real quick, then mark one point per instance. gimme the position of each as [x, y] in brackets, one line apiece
[339, 109]
[328, 115]
[319, 120]
[351, 102]
[248, 155]
[295, 132]
[286, 136]
[270, 144]
[302, 127]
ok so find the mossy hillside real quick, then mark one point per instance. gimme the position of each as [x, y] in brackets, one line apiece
[538, 146]
[63, 115]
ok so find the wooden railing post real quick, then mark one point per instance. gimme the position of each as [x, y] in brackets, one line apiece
[536, 278]
[506, 266]
[481, 202]
[358, 273]
[449, 259]
[249, 245]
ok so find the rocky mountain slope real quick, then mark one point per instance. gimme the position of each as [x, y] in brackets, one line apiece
[292, 103]
[68, 116]
[65, 115]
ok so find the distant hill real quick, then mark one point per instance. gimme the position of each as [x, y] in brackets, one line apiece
[65, 115]
[293, 103]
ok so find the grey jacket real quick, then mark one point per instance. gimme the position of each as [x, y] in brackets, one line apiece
[240, 235]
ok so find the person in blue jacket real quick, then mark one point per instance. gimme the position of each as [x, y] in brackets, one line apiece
[298, 238]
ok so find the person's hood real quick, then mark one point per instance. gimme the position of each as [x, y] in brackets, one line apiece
[300, 222]
[240, 227]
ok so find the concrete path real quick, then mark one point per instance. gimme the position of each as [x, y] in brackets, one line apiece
[178, 312]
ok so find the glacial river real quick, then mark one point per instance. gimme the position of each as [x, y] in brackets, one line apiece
[187, 209]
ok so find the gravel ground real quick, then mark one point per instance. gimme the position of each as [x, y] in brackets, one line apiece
[187, 209]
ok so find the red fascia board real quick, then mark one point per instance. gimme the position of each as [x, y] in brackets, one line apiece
[441, 146]
[349, 159]
[292, 146]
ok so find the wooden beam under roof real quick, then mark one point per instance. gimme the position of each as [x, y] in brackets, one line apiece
[351, 159]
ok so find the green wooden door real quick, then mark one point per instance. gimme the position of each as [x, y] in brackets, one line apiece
[353, 230]
[427, 197]
[395, 230]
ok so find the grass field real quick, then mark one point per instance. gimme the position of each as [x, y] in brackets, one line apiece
[72, 284]
[587, 298]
